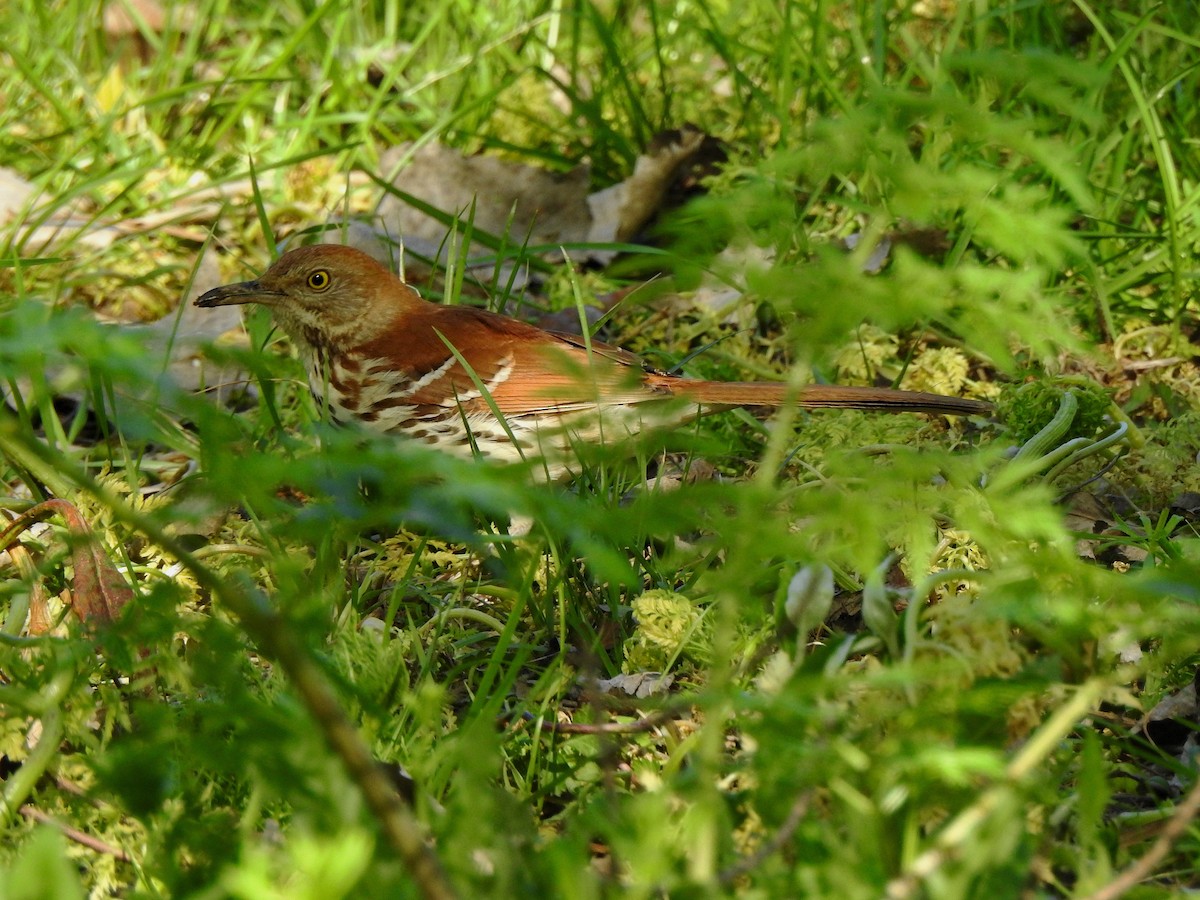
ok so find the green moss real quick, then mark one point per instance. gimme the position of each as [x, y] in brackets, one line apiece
[1027, 408]
[669, 626]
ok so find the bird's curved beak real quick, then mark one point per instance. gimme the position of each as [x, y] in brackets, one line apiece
[234, 294]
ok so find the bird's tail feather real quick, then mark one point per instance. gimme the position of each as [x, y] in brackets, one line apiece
[815, 396]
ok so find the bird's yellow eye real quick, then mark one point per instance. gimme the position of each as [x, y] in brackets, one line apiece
[319, 280]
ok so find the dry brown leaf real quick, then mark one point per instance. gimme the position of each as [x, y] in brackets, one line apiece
[100, 592]
[620, 212]
[15, 193]
[509, 198]
[179, 338]
[40, 620]
[120, 17]
[124, 33]
[530, 205]
[637, 684]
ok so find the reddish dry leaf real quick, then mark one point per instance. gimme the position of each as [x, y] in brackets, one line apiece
[124, 32]
[120, 22]
[39, 609]
[100, 592]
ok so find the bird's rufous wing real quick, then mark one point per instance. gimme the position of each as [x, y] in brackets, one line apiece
[523, 369]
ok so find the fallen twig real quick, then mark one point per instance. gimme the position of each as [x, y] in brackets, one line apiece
[74, 834]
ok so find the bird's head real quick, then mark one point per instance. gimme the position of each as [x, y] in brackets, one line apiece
[325, 292]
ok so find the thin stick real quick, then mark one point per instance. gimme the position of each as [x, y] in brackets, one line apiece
[74, 834]
[749, 863]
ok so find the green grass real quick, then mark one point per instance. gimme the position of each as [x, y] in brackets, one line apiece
[960, 724]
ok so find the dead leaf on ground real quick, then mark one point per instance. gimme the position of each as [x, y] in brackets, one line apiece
[1171, 726]
[34, 226]
[121, 17]
[100, 593]
[40, 620]
[179, 339]
[637, 684]
[528, 204]
[620, 212]
[15, 193]
[129, 24]
[1112, 546]
[178, 343]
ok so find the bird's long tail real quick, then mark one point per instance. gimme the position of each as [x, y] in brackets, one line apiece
[815, 396]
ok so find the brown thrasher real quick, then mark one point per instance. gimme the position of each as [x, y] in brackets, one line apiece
[377, 353]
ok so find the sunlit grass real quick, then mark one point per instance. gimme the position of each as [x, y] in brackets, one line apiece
[1030, 167]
